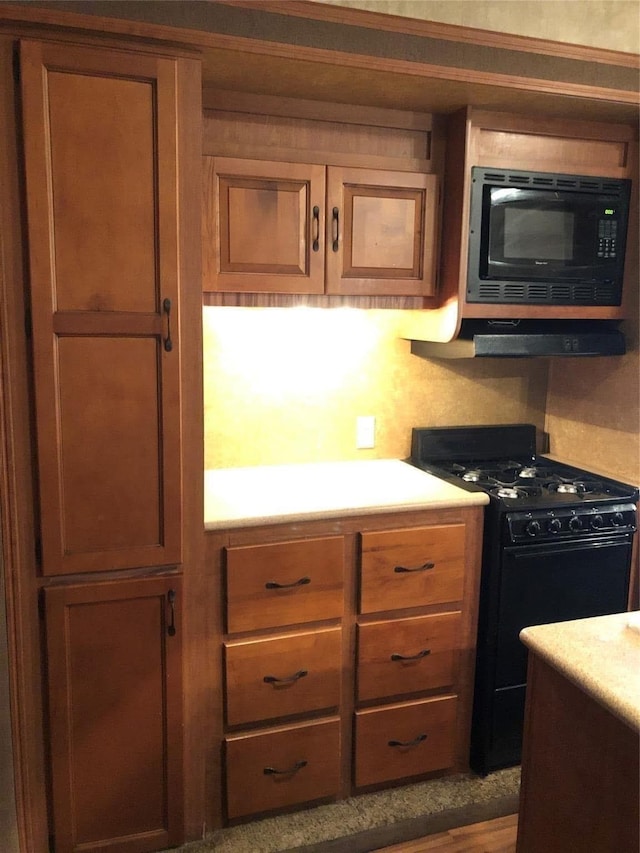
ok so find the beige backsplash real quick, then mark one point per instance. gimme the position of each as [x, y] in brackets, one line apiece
[285, 385]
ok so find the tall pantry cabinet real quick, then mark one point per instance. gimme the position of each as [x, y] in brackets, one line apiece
[107, 183]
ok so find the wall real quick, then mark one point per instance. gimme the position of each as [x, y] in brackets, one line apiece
[610, 24]
[286, 385]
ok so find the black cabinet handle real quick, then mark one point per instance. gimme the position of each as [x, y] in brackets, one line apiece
[272, 679]
[421, 654]
[171, 598]
[276, 585]
[335, 228]
[316, 228]
[423, 568]
[168, 343]
[272, 771]
[414, 742]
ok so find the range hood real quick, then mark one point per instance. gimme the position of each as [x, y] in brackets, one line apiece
[527, 339]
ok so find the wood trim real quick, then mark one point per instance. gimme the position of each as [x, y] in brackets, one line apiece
[435, 29]
[246, 102]
[16, 507]
[198, 657]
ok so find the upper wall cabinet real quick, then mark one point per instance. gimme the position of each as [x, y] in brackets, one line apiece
[298, 228]
[101, 166]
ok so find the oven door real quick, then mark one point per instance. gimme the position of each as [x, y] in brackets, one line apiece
[538, 583]
[556, 582]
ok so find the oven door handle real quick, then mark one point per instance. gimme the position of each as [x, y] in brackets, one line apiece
[524, 552]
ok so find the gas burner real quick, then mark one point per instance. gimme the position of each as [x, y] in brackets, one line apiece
[528, 473]
[472, 476]
[508, 492]
[567, 488]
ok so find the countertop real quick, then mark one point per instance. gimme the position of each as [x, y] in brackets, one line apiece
[601, 655]
[241, 497]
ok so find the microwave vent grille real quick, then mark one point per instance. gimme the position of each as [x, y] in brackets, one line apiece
[541, 293]
[553, 181]
[561, 292]
[514, 291]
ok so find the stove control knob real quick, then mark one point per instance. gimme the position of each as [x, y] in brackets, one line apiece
[555, 525]
[617, 519]
[533, 528]
[596, 522]
[575, 523]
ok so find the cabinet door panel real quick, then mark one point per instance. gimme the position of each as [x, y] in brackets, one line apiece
[100, 163]
[398, 656]
[284, 583]
[405, 740]
[412, 567]
[115, 708]
[281, 676]
[381, 232]
[267, 236]
[282, 767]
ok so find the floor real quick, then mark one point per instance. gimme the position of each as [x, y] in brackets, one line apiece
[491, 836]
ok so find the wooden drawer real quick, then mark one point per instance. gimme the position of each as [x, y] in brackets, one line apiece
[282, 767]
[279, 676]
[408, 655]
[284, 583]
[411, 567]
[404, 740]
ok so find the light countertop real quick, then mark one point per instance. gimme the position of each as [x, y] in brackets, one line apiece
[601, 655]
[241, 497]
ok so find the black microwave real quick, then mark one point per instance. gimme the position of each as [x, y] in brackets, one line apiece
[546, 239]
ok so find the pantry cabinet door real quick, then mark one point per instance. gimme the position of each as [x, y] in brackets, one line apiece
[264, 226]
[101, 174]
[381, 232]
[115, 714]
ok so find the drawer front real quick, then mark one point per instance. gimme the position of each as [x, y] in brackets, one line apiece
[405, 740]
[279, 676]
[282, 767]
[411, 567]
[398, 656]
[284, 583]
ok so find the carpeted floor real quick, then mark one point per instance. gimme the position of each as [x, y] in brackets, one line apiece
[370, 821]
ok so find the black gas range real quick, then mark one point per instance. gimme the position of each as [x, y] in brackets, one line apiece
[557, 546]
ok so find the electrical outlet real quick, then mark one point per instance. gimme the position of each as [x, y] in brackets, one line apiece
[365, 432]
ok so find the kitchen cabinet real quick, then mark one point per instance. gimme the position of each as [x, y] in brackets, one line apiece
[408, 568]
[103, 133]
[348, 649]
[287, 675]
[302, 228]
[101, 175]
[115, 710]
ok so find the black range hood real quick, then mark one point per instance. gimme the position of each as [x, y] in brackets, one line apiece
[527, 339]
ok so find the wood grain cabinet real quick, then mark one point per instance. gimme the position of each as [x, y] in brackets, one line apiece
[273, 676]
[115, 705]
[104, 134]
[302, 228]
[348, 650]
[408, 655]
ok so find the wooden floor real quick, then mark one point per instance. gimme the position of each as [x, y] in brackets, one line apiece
[492, 836]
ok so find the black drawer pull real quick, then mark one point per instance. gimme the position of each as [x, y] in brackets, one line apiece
[272, 679]
[414, 742]
[171, 598]
[421, 654]
[316, 228]
[276, 585]
[272, 771]
[423, 568]
[335, 229]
